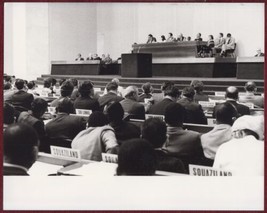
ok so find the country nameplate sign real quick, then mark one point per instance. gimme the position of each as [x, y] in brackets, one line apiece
[196, 170]
[65, 153]
[109, 158]
[161, 117]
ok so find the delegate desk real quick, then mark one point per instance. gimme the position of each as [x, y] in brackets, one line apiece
[83, 68]
[183, 49]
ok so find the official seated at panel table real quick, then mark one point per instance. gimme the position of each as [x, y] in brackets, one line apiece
[170, 38]
[79, 57]
[250, 97]
[20, 149]
[218, 43]
[259, 53]
[229, 44]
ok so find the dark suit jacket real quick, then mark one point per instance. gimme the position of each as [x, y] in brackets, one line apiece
[124, 131]
[194, 111]
[184, 144]
[159, 108]
[200, 97]
[22, 99]
[38, 125]
[65, 126]
[109, 97]
[8, 170]
[241, 109]
[135, 109]
[86, 103]
[141, 98]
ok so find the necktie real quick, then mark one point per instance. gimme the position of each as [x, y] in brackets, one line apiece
[229, 41]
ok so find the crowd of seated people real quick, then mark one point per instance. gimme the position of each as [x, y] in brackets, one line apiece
[213, 46]
[165, 143]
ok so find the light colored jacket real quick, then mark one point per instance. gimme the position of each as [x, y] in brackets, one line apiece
[93, 141]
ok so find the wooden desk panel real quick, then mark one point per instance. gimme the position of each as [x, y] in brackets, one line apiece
[185, 49]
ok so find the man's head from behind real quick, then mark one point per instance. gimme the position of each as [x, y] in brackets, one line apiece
[20, 145]
[38, 107]
[65, 105]
[174, 115]
[197, 85]
[112, 86]
[154, 130]
[86, 89]
[147, 88]
[173, 92]
[188, 92]
[66, 88]
[231, 93]
[131, 92]
[225, 113]
[114, 112]
[250, 86]
[19, 84]
[136, 157]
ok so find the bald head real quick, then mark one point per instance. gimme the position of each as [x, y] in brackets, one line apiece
[232, 92]
[250, 86]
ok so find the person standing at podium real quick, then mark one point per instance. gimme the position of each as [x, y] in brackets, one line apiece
[79, 57]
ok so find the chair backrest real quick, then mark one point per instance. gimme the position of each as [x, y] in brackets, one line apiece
[83, 112]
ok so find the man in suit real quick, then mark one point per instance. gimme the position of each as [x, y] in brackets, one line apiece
[20, 149]
[171, 94]
[219, 42]
[33, 118]
[194, 111]
[231, 96]
[199, 94]
[85, 101]
[149, 39]
[112, 95]
[130, 104]
[21, 100]
[198, 38]
[225, 114]
[184, 144]
[170, 38]
[250, 96]
[259, 53]
[229, 44]
[66, 90]
[65, 126]
[79, 57]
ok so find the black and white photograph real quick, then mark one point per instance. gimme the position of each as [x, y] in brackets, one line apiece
[133, 106]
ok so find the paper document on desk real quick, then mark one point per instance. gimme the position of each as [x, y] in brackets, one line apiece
[95, 168]
[43, 169]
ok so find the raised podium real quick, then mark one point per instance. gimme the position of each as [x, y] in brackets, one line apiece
[136, 65]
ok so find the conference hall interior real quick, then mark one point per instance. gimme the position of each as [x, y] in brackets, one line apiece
[133, 89]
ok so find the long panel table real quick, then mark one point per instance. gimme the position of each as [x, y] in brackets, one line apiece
[183, 49]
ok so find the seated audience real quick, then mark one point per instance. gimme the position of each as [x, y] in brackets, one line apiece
[193, 111]
[9, 115]
[33, 118]
[225, 115]
[229, 44]
[147, 92]
[170, 38]
[75, 93]
[85, 101]
[130, 104]
[97, 138]
[159, 96]
[250, 97]
[123, 130]
[32, 88]
[136, 158]
[79, 57]
[171, 94]
[259, 53]
[244, 154]
[20, 149]
[183, 144]
[154, 131]
[198, 38]
[64, 126]
[47, 88]
[232, 97]
[163, 39]
[112, 95]
[218, 43]
[199, 94]
[8, 91]
[21, 100]
[65, 91]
